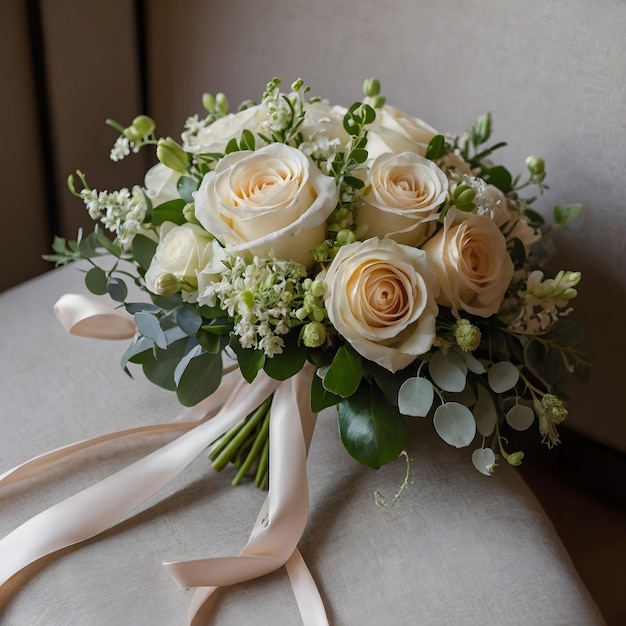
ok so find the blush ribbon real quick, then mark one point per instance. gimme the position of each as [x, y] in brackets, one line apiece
[280, 523]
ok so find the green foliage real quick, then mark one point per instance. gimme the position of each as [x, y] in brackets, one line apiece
[371, 431]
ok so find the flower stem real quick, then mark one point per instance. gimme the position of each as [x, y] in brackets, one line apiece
[262, 473]
[233, 446]
[255, 450]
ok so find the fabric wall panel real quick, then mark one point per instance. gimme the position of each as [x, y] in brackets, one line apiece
[25, 235]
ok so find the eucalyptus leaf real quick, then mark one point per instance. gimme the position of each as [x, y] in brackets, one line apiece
[188, 320]
[502, 376]
[250, 361]
[117, 289]
[484, 460]
[195, 351]
[148, 326]
[446, 374]
[520, 417]
[455, 424]
[416, 397]
[160, 370]
[485, 413]
[185, 187]
[371, 430]
[96, 281]
[566, 333]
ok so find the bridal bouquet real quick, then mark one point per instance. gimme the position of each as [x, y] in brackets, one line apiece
[296, 256]
[401, 262]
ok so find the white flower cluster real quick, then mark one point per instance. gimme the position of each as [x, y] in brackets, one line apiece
[121, 148]
[259, 295]
[122, 212]
[544, 301]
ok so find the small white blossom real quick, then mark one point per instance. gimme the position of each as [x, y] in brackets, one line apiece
[121, 148]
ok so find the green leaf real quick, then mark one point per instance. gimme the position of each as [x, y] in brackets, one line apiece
[359, 155]
[250, 361]
[160, 370]
[566, 333]
[140, 351]
[117, 289]
[113, 248]
[231, 146]
[171, 211]
[247, 140]
[344, 374]
[96, 281]
[200, 378]
[499, 177]
[416, 397]
[371, 430]
[211, 343]
[321, 398]
[566, 213]
[485, 413]
[290, 362]
[436, 148]
[185, 187]
[354, 182]
[143, 250]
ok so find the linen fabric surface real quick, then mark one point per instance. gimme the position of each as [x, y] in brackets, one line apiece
[458, 548]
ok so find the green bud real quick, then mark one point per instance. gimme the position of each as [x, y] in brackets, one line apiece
[247, 298]
[464, 197]
[189, 213]
[345, 236]
[144, 125]
[132, 134]
[318, 288]
[172, 155]
[313, 335]
[297, 85]
[208, 102]
[466, 335]
[535, 165]
[167, 284]
[221, 103]
[361, 231]
[371, 87]
[554, 408]
[515, 458]
[482, 128]
[307, 284]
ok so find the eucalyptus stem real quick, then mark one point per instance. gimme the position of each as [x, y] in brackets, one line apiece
[256, 449]
[231, 449]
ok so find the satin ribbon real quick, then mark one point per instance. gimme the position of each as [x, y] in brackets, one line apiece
[279, 525]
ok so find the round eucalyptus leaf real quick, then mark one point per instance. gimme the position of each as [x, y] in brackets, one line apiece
[520, 417]
[485, 412]
[415, 397]
[446, 374]
[502, 376]
[484, 460]
[455, 424]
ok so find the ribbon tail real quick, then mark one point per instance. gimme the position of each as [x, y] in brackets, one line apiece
[96, 508]
[306, 592]
[273, 543]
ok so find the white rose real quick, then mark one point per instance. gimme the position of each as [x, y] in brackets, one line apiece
[456, 163]
[271, 201]
[187, 252]
[493, 203]
[472, 263]
[395, 131]
[402, 196]
[380, 296]
[160, 183]
[215, 136]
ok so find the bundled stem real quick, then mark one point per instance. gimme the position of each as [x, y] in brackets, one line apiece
[244, 445]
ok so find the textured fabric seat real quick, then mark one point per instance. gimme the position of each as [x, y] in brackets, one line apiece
[458, 548]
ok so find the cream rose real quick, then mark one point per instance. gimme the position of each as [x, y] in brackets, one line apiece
[160, 183]
[395, 131]
[380, 296]
[401, 197]
[472, 264]
[271, 201]
[188, 253]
